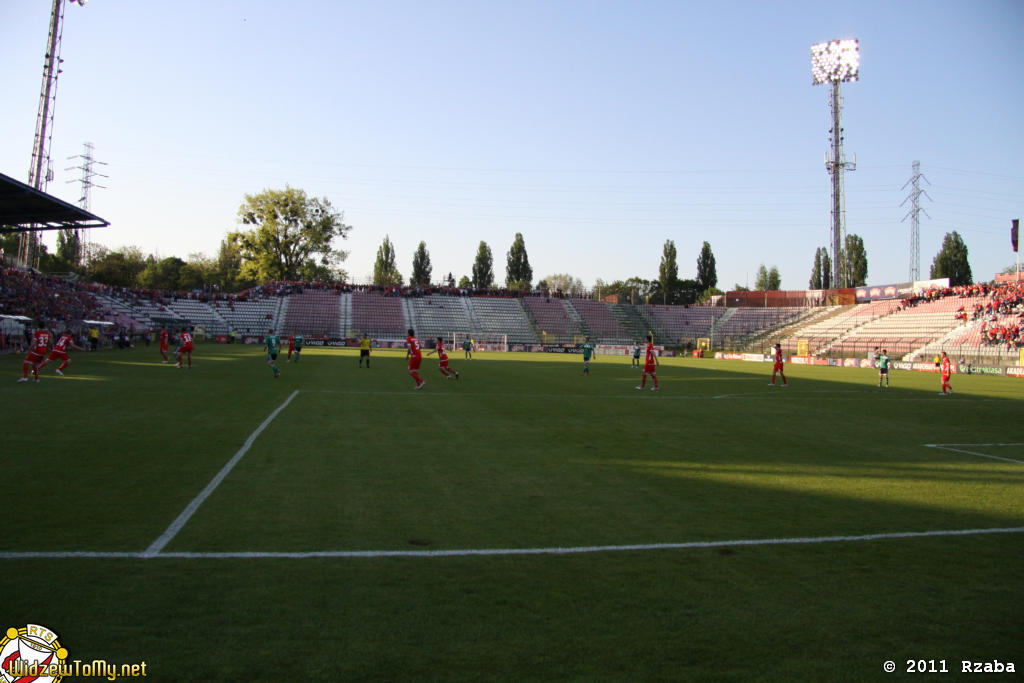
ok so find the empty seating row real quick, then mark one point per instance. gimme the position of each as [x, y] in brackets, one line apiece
[499, 315]
[378, 316]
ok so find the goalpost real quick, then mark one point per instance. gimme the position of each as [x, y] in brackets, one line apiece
[482, 341]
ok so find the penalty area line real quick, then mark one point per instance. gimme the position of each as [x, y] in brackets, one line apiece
[495, 552]
[947, 447]
[191, 508]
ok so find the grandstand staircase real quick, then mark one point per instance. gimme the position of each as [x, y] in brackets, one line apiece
[791, 329]
[838, 340]
[575, 317]
[937, 345]
[631, 320]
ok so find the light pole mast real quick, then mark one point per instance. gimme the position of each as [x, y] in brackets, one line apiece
[834, 62]
[40, 170]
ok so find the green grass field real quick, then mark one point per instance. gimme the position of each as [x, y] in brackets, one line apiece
[332, 550]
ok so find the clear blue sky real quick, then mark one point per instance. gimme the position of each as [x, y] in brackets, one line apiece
[597, 129]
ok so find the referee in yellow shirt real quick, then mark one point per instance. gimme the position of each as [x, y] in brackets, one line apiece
[364, 350]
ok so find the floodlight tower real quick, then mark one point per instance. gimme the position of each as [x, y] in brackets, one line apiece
[40, 170]
[833, 63]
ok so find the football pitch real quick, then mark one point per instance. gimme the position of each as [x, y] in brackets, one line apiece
[523, 522]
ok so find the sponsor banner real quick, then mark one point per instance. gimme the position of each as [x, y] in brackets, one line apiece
[250, 339]
[865, 363]
[1015, 372]
[561, 349]
[325, 341]
[851, 363]
[614, 349]
[880, 292]
[753, 357]
[221, 339]
[981, 370]
[728, 355]
[901, 365]
[807, 360]
[925, 285]
[835, 362]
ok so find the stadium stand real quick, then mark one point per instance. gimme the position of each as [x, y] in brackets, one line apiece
[438, 316]
[312, 312]
[552, 320]
[381, 317]
[498, 315]
[598, 320]
[682, 322]
[254, 316]
[198, 313]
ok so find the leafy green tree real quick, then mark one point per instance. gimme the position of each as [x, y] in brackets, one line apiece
[483, 267]
[465, 282]
[815, 281]
[228, 271]
[856, 261]
[198, 272]
[826, 270]
[767, 279]
[385, 268]
[69, 246]
[564, 283]
[119, 268]
[707, 275]
[162, 274]
[668, 273]
[951, 261]
[518, 273]
[292, 237]
[421, 268]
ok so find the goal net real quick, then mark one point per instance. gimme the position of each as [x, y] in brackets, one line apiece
[480, 341]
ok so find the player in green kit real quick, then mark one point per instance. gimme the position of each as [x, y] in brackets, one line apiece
[588, 350]
[883, 368]
[636, 355]
[299, 341]
[273, 345]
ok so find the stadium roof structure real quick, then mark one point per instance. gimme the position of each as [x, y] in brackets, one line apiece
[24, 208]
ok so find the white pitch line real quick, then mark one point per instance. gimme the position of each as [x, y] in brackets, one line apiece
[191, 508]
[491, 552]
[946, 447]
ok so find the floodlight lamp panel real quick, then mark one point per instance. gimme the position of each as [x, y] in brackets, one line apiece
[836, 60]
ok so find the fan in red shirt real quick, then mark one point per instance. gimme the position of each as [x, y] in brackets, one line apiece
[650, 363]
[36, 356]
[442, 360]
[415, 356]
[184, 347]
[164, 342]
[777, 368]
[60, 352]
[946, 371]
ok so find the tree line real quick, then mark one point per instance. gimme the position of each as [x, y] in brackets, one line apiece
[287, 235]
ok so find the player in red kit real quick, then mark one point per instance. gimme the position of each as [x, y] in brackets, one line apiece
[442, 360]
[415, 355]
[36, 356]
[777, 368]
[184, 347]
[946, 370]
[650, 363]
[164, 342]
[291, 347]
[60, 352]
